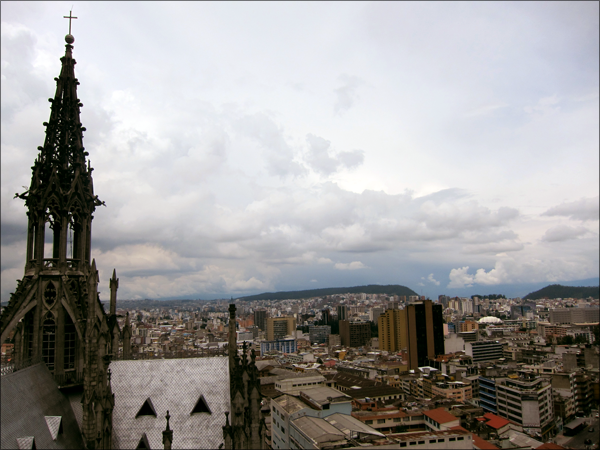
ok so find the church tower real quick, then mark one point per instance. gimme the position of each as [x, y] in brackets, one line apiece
[55, 311]
[247, 428]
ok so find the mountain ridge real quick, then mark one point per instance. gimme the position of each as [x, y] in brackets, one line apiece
[560, 291]
[391, 289]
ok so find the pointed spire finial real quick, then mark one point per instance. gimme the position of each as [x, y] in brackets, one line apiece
[69, 37]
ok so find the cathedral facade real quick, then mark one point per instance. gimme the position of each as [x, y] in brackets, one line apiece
[63, 335]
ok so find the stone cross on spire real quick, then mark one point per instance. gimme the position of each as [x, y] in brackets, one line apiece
[70, 16]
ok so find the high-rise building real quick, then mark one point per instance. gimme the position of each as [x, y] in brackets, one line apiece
[280, 327]
[418, 328]
[260, 319]
[355, 334]
[325, 317]
[342, 312]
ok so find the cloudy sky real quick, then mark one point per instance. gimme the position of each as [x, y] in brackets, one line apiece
[250, 147]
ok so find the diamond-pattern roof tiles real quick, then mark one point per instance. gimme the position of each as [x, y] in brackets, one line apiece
[174, 385]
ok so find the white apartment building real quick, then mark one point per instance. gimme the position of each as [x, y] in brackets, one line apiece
[484, 350]
[527, 402]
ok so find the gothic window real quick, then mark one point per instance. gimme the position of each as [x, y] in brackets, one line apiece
[49, 341]
[47, 240]
[50, 294]
[70, 341]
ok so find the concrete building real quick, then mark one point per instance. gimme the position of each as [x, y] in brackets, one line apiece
[574, 315]
[288, 345]
[342, 312]
[392, 330]
[375, 313]
[484, 350]
[319, 334]
[293, 386]
[526, 401]
[334, 340]
[468, 325]
[418, 328]
[317, 402]
[260, 319]
[280, 327]
[355, 334]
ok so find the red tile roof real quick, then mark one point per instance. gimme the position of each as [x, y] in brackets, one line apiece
[550, 446]
[495, 421]
[482, 443]
[440, 415]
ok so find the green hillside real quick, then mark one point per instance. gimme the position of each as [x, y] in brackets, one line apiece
[391, 289]
[559, 291]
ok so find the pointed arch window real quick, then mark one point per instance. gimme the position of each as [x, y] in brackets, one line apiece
[70, 342]
[49, 341]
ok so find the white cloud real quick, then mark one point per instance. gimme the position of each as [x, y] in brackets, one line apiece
[583, 209]
[323, 161]
[354, 265]
[213, 168]
[433, 280]
[346, 94]
[561, 233]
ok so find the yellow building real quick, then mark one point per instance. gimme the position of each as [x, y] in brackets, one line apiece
[393, 332]
[279, 327]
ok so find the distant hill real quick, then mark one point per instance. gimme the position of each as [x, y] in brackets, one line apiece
[559, 291]
[390, 289]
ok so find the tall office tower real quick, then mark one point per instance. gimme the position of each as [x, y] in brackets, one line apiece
[326, 317]
[279, 327]
[260, 319]
[342, 312]
[419, 329]
[392, 305]
[355, 334]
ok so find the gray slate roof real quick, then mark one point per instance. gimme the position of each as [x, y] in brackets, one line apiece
[33, 406]
[174, 385]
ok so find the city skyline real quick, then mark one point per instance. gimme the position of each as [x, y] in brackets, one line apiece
[251, 148]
